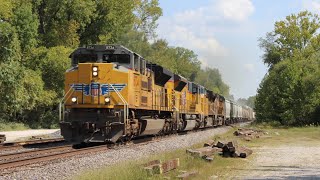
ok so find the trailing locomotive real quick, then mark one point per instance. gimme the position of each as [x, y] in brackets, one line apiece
[112, 93]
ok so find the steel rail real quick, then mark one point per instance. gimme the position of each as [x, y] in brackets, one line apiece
[50, 157]
[36, 151]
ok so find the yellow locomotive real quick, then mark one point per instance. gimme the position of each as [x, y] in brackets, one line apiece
[112, 93]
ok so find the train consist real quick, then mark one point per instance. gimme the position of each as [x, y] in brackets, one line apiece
[112, 94]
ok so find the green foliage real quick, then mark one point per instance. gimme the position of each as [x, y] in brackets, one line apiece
[11, 75]
[53, 63]
[61, 21]
[297, 34]
[147, 12]
[26, 24]
[22, 90]
[12, 126]
[37, 36]
[247, 102]
[5, 10]
[211, 79]
[9, 43]
[177, 59]
[290, 91]
[112, 19]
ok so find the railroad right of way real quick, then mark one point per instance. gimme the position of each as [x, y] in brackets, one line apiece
[63, 168]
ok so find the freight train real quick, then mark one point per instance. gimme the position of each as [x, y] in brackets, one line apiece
[113, 94]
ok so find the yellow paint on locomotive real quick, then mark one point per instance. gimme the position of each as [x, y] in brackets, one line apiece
[83, 76]
[139, 92]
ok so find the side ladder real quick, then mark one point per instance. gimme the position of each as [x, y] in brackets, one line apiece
[125, 106]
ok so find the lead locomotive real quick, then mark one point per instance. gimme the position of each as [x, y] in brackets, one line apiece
[112, 93]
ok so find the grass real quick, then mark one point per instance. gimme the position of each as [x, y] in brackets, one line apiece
[293, 135]
[133, 169]
[221, 168]
[12, 126]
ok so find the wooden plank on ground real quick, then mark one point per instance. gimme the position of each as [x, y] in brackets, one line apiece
[163, 167]
[204, 151]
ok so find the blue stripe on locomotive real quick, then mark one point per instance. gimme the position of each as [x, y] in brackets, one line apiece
[104, 88]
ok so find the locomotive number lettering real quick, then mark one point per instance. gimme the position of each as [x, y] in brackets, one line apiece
[110, 47]
[90, 47]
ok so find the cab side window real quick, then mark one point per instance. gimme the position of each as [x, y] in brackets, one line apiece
[136, 62]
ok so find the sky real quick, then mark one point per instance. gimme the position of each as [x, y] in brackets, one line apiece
[224, 34]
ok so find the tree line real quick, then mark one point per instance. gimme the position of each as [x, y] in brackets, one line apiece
[290, 92]
[37, 36]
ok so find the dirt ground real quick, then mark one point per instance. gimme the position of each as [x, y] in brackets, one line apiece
[25, 134]
[284, 162]
[284, 154]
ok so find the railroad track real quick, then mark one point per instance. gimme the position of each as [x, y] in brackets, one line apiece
[14, 160]
[18, 159]
[32, 153]
[21, 144]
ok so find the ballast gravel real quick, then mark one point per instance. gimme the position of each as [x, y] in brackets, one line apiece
[68, 168]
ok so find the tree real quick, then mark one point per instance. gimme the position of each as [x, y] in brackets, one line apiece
[53, 63]
[296, 34]
[137, 42]
[6, 10]
[22, 90]
[212, 80]
[62, 22]
[9, 43]
[26, 24]
[251, 101]
[112, 19]
[147, 12]
[290, 93]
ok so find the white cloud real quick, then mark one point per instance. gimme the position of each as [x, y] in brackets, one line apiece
[249, 67]
[235, 10]
[313, 5]
[192, 34]
[201, 30]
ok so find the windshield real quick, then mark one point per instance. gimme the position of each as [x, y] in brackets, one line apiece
[83, 58]
[119, 58]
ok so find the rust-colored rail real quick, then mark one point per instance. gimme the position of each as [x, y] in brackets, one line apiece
[49, 157]
[30, 153]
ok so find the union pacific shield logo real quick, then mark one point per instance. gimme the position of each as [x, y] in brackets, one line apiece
[96, 89]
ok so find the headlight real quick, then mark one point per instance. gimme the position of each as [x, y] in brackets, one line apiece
[107, 99]
[74, 99]
[95, 69]
[95, 73]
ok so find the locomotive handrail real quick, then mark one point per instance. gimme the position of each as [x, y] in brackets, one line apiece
[126, 105]
[61, 108]
[71, 87]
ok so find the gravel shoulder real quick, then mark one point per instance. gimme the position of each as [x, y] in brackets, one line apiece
[12, 136]
[67, 168]
[284, 162]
